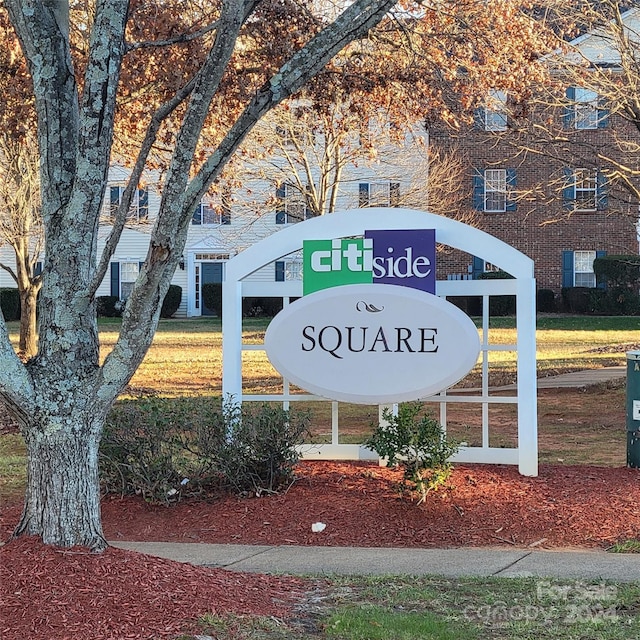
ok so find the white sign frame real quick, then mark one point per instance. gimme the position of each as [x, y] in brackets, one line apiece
[238, 284]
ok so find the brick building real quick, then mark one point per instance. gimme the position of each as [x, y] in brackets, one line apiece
[547, 190]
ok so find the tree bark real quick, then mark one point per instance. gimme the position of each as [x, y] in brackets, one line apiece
[62, 499]
[28, 343]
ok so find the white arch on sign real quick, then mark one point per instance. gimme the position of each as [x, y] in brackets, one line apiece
[448, 232]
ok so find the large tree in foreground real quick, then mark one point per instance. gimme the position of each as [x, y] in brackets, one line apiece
[61, 397]
[250, 56]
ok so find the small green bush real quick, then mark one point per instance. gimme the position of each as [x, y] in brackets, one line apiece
[166, 448]
[171, 301]
[416, 443]
[261, 307]
[546, 301]
[10, 303]
[153, 446]
[259, 452]
[106, 307]
[577, 299]
[212, 297]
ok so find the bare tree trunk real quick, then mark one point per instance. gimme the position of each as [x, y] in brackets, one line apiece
[28, 344]
[62, 500]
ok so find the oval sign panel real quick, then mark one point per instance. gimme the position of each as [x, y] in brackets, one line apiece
[372, 343]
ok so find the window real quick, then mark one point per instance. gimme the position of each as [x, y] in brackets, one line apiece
[288, 270]
[584, 110]
[139, 209]
[123, 277]
[379, 194]
[577, 268]
[583, 275]
[495, 112]
[213, 209]
[493, 190]
[292, 206]
[585, 190]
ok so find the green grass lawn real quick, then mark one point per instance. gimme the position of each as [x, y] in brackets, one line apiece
[438, 608]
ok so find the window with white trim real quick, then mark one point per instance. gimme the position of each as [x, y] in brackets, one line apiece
[289, 269]
[495, 190]
[586, 189]
[139, 209]
[583, 273]
[495, 112]
[292, 205]
[214, 209]
[128, 275]
[586, 109]
[379, 194]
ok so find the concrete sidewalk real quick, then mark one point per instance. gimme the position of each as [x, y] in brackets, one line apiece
[573, 380]
[483, 562]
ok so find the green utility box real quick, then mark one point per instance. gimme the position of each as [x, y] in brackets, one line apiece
[633, 409]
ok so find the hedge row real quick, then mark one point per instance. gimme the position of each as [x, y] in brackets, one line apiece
[109, 306]
[10, 303]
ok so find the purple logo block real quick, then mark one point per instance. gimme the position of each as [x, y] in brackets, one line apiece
[405, 257]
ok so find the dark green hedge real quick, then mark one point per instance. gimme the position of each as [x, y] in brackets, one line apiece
[106, 307]
[618, 271]
[500, 305]
[212, 297]
[171, 301]
[10, 303]
[613, 301]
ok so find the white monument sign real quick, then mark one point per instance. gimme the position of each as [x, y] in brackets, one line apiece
[372, 343]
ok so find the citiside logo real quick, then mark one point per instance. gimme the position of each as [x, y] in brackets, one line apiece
[400, 257]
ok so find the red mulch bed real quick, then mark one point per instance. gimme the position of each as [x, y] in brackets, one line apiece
[47, 593]
[573, 506]
[72, 594]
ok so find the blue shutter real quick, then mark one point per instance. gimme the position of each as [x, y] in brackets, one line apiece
[478, 190]
[363, 194]
[480, 118]
[569, 190]
[225, 217]
[37, 270]
[115, 279]
[569, 114]
[567, 268]
[114, 197]
[196, 217]
[143, 204]
[601, 284]
[477, 267]
[602, 200]
[281, 216]
[603, 114]
[280, 271]
[394, 194]
[511, 187]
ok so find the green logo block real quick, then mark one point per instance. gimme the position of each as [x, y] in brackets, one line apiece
[332, 263]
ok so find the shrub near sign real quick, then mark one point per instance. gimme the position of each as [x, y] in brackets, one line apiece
[372, 343]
